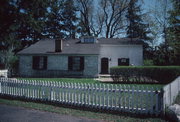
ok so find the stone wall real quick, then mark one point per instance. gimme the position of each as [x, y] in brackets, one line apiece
[25, 66]
[57, 66]
[91, 66]
[56, 62]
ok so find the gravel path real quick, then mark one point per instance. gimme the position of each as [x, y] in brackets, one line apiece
[20, 114]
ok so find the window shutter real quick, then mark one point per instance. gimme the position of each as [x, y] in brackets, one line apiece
[45, 62]
[81, 63]
[127, 61]
[35, 62]
[119, 62]
[70, 63]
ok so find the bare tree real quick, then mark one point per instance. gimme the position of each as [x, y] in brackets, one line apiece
[114, 16]
[160, 14]
[85, 8]
[97, 22]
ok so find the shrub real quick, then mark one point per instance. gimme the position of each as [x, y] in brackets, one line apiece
[148, 63]
[145, 74]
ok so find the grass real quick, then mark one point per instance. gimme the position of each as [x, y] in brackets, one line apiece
[92, 81]
[78, 113]
[68, 80]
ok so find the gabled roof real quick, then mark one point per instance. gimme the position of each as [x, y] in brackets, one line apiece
[73, 46]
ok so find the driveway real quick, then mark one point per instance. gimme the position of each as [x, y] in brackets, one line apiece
[20, 114]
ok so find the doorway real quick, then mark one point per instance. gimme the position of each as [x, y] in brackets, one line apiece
[104, 65]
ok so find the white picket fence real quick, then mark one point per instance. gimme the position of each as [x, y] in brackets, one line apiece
[140, 100]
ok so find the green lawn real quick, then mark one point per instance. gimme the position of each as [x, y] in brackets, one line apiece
[78, 113]
[67, 80]
[92, 81]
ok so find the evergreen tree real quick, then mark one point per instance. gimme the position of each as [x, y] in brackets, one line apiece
[174, 31]
[8, 24]
[21, 20]
[69, 18]
[32, 16]
[54, 23]
[136, 28]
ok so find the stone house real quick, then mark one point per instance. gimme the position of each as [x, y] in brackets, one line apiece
[85, 57]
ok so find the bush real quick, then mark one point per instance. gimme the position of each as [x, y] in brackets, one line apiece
[148, 63]
[145, 74]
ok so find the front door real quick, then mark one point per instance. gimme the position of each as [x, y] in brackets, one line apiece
[104, 65]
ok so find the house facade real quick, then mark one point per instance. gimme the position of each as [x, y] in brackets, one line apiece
[85, 57]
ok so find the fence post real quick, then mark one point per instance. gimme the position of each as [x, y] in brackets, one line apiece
[104, 92]
[115, 104]
[132, 102]
[119, 97]
[110, 96]
[128, 101]
[161, 100]
[81, 96]
[124, 100]
[147, 101]
[152, 100]
[142, 94]
[137, 100]
[95, 91]
[69, 88]
[99, 95]
[75, 95]
[107, 96]
[92, 88]
[157, 105]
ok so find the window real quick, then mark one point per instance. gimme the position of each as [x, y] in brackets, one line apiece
[123, 62]
[89, 40]
[76, 63]
[39, 62]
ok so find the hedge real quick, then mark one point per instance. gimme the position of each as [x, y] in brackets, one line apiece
[145, 74]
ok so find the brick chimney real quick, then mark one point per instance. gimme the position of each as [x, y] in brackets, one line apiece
[58, 45]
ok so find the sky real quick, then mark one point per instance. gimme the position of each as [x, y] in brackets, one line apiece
[148, 4]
